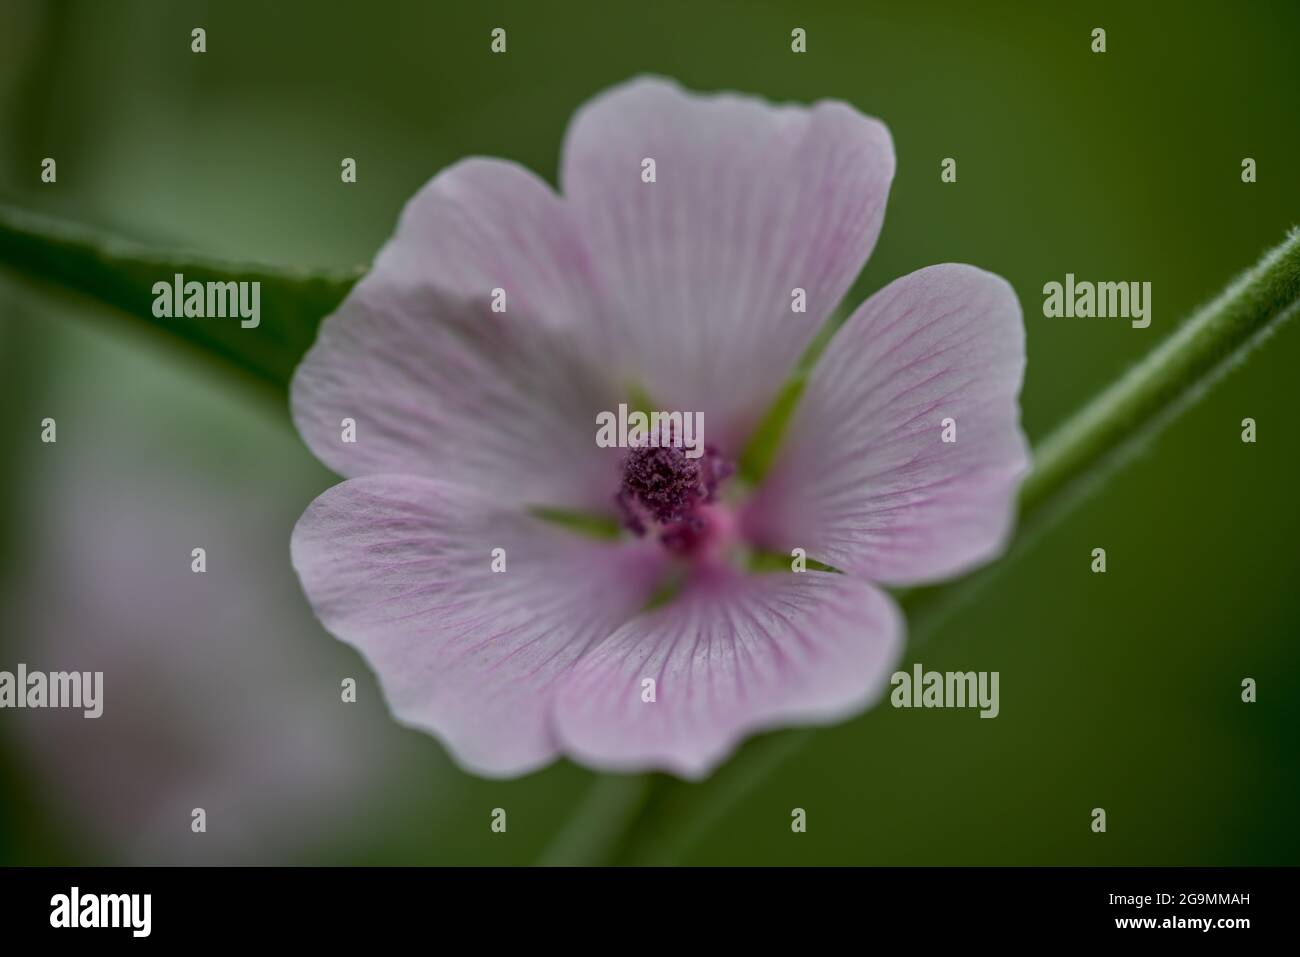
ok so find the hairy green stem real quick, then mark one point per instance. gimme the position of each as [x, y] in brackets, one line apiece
[1178, 371]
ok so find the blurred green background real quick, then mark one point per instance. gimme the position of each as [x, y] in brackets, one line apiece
[1119, 691]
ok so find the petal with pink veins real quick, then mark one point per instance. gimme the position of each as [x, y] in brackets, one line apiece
[438, 383]
[400, 567]
[750, 201]
[731, 655]
[864, 480]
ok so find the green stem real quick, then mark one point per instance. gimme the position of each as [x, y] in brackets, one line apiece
[1178, 371]
[597, 826]
[1071, 462]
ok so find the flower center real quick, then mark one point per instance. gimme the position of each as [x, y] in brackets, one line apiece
[665, 492]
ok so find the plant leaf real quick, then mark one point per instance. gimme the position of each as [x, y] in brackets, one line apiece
[122, 274]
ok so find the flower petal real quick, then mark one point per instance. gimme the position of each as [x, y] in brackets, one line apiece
[865, 481]
[750, 201]
[400, 568]
[440, 385]
[731, 655]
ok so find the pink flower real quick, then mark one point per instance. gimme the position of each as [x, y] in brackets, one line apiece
[681, 289]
